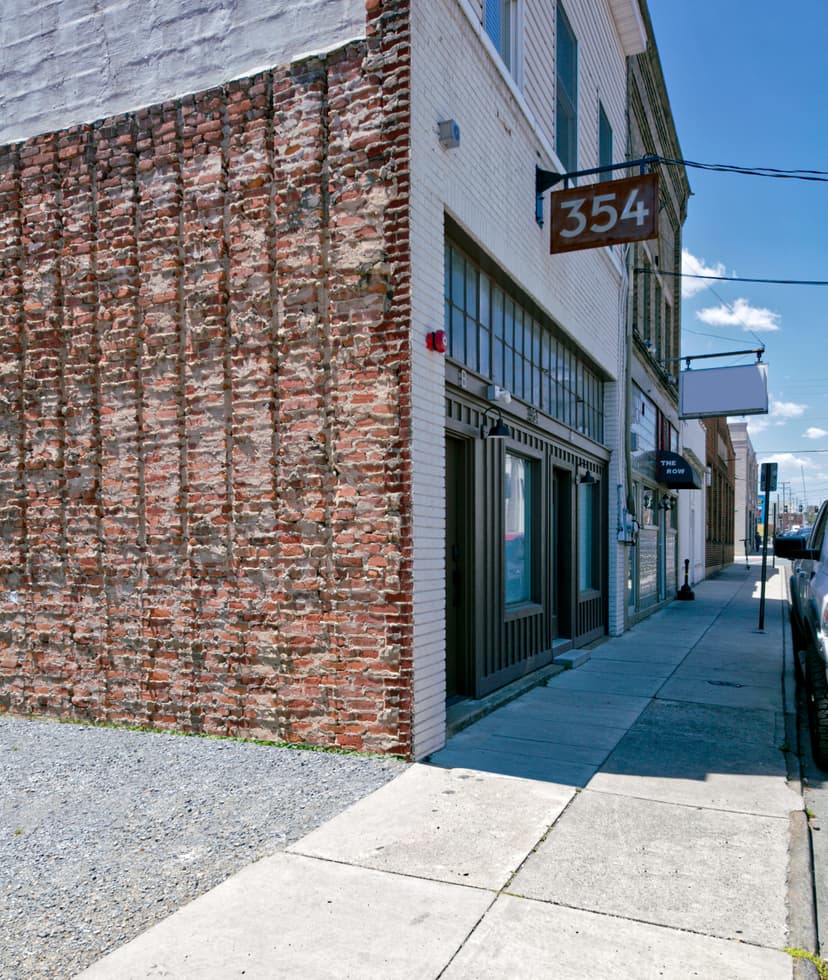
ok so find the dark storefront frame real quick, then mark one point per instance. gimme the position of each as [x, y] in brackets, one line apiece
[507, 341]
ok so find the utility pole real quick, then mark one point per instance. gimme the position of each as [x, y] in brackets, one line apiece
[784, 505]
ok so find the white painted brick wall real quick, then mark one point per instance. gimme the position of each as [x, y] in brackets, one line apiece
[69, 61]
[692, 508]
[487, 186]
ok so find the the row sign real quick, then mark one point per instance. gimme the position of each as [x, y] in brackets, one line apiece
[607, 213]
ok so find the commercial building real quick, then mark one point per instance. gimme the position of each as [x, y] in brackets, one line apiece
[245, 488]
[720, 494]
[657, 473]
[691, 506]
[747, 509]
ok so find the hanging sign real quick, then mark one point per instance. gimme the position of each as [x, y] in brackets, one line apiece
[607, 213]
[741, 389]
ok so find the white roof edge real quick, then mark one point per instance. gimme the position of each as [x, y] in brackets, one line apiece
[322, 52]
[630, 26]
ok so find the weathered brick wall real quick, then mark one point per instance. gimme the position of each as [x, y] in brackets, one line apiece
[205, 408]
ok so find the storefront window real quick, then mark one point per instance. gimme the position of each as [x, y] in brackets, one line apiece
[517, 492]
[588, 553]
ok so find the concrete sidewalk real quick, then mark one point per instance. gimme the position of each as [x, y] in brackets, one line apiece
[631, 819]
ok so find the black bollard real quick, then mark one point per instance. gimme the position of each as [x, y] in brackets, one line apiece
[685, 592]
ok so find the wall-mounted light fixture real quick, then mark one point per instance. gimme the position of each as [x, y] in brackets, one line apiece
[498, 431]
[587, 478]
[449, 134]
[501, 396]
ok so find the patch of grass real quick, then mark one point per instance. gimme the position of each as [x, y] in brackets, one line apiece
[803, 954]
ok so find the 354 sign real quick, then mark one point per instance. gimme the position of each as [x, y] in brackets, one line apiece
[607, 213]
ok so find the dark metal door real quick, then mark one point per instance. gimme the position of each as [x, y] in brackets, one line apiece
[459, 671]
[561, 554]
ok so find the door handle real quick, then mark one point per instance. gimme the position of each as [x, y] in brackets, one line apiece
[456, 592]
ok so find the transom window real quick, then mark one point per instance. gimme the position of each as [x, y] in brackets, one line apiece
[492, 333]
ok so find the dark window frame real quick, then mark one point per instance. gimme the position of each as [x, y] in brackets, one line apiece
[514, 345]
[566, 91]
[533, 469]
[604, 143]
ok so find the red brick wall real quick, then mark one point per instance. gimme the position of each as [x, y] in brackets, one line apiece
[205, 408]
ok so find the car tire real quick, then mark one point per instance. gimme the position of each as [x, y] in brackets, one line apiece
[817, 690]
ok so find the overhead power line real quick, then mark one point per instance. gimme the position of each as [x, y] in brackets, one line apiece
[820, 176]
[793, 452]
[772, 282]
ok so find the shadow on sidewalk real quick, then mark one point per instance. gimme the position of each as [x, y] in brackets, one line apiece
[694, 693]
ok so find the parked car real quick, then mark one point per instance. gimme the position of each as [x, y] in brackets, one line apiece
[808, 550]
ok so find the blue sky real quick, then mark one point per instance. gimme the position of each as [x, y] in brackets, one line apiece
[748, 86]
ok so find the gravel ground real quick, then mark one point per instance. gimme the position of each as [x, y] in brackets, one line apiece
[104, 832]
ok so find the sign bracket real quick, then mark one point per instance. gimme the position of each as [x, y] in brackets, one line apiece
[759, 351]
[544, 179]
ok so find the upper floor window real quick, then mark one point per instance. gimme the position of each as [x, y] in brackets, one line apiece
[494, 333]
[659, 347]
[501, 23]
[604, 143]
[566, 89]
[646, 295]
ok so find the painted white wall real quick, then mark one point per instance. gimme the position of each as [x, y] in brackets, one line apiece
[64, 62]
[691, 508]
[487, 185]
[744, 489]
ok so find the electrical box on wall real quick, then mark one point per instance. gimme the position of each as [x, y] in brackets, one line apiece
[628, 529]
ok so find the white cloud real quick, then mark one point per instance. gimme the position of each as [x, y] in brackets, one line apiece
[792, 468]
[787, 459]
[758, 423]
[779, 413]
[692, 266]
[740, 314]
[814, 432]
[787, 410]
[802, 476]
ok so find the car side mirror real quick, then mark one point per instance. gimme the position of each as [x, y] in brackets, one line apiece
[794, 548]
